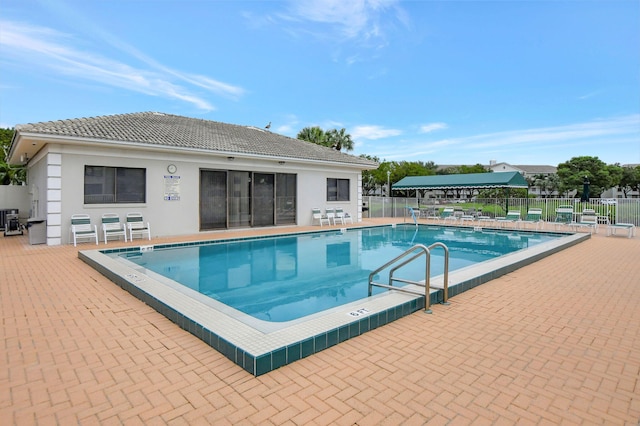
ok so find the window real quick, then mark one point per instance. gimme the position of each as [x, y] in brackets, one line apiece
[112, 185]
[337, 189]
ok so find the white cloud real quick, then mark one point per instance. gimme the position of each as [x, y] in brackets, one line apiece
[362, 21]
[373, 132]
[353, 18]
[428, 128]
[571, 133]
[47, 48]
[287, 125]
[589, 95]
[286, 129]
[603, 138]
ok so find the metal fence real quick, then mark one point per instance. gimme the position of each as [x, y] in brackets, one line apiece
[618, 210]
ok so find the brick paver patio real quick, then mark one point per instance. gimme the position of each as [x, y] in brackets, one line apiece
[556, 342]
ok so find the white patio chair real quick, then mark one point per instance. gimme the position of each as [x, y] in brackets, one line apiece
[330, 213]
[630, 228]
[564, 216]
[137, 226]
[81, 227]
[316, 214]
[588, 219]
[342, 216]
[111, 227]
[534, 215]
[448, 215]
[513, 216]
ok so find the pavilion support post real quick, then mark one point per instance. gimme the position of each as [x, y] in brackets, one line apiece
[507, 193]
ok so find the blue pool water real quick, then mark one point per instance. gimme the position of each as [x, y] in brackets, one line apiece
[288, 277]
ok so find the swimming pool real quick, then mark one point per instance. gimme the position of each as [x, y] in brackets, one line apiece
[284, 278]
[261, 335]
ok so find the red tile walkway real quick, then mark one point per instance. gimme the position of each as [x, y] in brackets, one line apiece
[556, 342]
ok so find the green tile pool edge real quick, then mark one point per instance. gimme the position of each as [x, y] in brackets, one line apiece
[264, 363]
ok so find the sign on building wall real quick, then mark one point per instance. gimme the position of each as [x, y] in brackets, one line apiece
[171, 188]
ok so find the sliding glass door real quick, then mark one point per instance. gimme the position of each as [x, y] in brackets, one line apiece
[263, 202]
[286, 199]
[213, 199]
[239, 199]
[232, 199]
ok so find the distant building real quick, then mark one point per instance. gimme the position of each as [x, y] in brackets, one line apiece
[524, 170]
[529, 172]
[616, 192]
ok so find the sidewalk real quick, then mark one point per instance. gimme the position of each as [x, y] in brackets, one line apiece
[555, 342]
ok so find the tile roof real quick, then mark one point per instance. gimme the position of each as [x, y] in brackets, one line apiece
[536, 168]
[167, 130]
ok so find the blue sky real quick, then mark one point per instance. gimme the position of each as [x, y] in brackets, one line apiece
[453, 82]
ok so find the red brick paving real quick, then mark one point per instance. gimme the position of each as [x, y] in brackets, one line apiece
[556, 342]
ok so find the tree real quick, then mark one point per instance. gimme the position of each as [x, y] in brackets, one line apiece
[383, 174]
[601, 176]
[630, 180]
[477, 168]
[368, 179]
[314, 135]
[9, 175]
[339, 139]
[553, 184]
[399, 170]
[336, 139]
[463, 170]
[547, 183]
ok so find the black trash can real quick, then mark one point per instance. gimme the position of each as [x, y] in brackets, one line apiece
[37, 231]
[365, 209]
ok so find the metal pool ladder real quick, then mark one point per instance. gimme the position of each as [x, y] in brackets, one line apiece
[409, 256]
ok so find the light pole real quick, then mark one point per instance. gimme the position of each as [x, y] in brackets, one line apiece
[388, 184]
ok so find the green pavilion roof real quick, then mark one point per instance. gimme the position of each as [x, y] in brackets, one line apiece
[470, 180]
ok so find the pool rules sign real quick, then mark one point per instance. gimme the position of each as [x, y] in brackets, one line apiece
[171, 188]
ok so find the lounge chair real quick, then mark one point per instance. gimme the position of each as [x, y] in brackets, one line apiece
[137, 226]
[429, 213]
[111, 227]
[534, 215]
[564, 216]
[588, 219]
[485, 218]
[466, 217]
[81, 227]
[629, 227]
[330, 213]
[342, 216]
[513, 216]
[338, 216]
[448, 214]
[316, 215]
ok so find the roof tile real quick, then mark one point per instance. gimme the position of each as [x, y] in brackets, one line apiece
[153, 128]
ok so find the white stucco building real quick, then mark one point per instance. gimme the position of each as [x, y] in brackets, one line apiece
[529, 172]
[185, 175]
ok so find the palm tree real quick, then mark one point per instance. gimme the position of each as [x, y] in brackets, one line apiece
[314, 135]
[11, 175]
[340, 139]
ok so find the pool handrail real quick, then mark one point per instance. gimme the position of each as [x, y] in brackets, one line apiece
[427, 281]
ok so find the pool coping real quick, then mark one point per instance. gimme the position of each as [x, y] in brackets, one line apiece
[259, 352]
